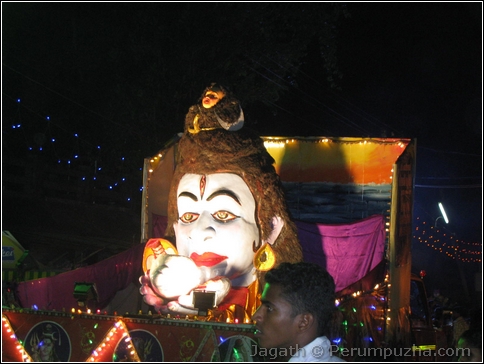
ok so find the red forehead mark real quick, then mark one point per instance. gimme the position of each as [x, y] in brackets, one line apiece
[203, 183]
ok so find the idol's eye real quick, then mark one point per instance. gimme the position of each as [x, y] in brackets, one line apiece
[224, 216]
[189, 217]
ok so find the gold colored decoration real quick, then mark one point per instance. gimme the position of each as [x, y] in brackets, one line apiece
[265, 258]
[196, 128]
[150, 253]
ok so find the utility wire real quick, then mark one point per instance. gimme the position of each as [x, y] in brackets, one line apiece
[332, 93]
[347, 123]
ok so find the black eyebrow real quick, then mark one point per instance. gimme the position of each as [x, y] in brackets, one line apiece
[189, 195]
[224, 192]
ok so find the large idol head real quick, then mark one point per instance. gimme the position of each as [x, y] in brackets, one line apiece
[216, 225]
[225, 202]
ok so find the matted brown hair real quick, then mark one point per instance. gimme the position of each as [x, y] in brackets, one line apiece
[242, 153]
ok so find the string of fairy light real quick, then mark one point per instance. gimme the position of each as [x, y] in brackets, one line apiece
[106, 347]
[445, 243]
[101, 353]
[8, 332]
[70, 157]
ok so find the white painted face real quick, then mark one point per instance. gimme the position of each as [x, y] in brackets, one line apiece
[216, 225]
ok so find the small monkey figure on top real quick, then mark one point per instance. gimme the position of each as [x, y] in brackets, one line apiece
[217, 108]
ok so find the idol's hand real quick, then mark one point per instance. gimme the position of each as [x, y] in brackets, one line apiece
[174, 307]
[149, 296]
[173, 275]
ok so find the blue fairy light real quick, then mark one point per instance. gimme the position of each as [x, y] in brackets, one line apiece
[53, 140]
[47, 117]
[18, 100]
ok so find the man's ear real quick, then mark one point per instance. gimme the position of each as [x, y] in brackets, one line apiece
[276, 226]
[306, 321]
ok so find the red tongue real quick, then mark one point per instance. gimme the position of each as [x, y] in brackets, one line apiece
[207, 259]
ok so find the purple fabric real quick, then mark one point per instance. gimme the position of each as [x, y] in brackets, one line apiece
[347, 251]
[110, 276]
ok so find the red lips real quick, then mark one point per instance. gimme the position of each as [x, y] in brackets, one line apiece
[207, 259]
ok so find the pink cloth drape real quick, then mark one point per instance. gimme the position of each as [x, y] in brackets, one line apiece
[110, 276]
[347, 251]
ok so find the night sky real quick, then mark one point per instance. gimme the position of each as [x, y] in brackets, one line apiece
[124, 75]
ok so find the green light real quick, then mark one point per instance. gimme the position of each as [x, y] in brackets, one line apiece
[354, 309]
[96, 325]
[236, 355]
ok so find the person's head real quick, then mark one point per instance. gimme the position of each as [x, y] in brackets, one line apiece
[224, 196]
[469, 346]
[298, 303]
[212, 95]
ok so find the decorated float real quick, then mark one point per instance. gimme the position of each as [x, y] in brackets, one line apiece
[221, 206]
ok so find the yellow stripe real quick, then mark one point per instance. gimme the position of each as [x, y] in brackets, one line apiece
[424, 347]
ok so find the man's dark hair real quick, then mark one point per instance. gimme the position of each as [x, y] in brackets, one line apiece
[308, 288]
